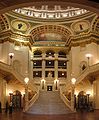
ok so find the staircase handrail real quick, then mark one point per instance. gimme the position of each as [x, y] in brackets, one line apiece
[65, 100]
[87, 71]
[20, 77]
[31, 102]
[83, 74]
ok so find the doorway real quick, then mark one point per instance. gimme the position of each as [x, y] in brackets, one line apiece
[49, 88]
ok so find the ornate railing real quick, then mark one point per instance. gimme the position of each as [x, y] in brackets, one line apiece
[83, 74]
[31, 102]
[17, 75]
[65, 100]
[86, 72]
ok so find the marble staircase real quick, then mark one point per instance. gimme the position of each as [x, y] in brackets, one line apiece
[49, 102]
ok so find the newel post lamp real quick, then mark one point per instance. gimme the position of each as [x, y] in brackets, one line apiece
[73, 81]
[26, 80]
[11, 55]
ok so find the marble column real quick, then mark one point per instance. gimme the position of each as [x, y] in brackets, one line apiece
[72, 98]
[43, 65]
[26, 97]
[56, 66]
[97, 94]
[2, 92]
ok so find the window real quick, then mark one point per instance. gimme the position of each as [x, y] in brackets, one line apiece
[62, 54]
[62, 74]
[37, 53]
[49, 63]
[37, 74]
[62, 64]
[50, 53]
[37, 64]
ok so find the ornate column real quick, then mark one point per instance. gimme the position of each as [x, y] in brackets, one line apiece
[56, 66]
[11, 58]
[2, 92]
[97, 94]
[73, 80]
[43, 65]
[26, 93]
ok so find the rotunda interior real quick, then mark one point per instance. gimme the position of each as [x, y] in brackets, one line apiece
[49, 48]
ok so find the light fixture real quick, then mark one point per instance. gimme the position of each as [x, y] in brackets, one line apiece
[88, 92]
[11, 55]
[88, 55]
[49, 62]
[36, 73]
[73, 80]
[26, 80]
[62, 73]
[34, 63]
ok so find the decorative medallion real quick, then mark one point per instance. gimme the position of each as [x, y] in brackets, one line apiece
[80, 26]
[20, 25]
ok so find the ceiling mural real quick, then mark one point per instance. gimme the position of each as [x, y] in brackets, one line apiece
[48, 37]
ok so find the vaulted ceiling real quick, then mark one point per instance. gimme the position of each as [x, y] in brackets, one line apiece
[6, 5]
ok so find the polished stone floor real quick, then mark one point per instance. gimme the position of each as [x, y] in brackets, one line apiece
[19, 115]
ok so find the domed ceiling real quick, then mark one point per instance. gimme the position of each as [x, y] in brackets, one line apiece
[45, 12]
[47, 26]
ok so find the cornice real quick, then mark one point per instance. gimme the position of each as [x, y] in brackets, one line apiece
[11, 37]
[76, 40]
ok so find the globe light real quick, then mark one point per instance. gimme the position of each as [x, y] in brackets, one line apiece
[73, 80]
[26, 80]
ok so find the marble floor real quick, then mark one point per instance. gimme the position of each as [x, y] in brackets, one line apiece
[19, 115]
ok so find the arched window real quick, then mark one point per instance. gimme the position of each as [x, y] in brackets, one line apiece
[50, 53]
[37, 53]
[62, 54]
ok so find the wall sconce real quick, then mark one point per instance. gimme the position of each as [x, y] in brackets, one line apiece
[88, 56]
[11, 56]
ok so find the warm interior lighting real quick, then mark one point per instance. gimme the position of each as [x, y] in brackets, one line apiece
[88, 55]
[11, 55]
[88, 93]
[76, 93]
[73, 80]
[26, 80]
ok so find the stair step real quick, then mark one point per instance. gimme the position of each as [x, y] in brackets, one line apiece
[49, 102]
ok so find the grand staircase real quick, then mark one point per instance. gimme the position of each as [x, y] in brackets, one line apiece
[49, 102]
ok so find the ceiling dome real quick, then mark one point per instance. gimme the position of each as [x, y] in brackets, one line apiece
[46, 12]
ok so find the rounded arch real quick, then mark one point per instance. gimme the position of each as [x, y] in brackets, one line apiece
[50, 53]
[61, 54]
[86, 4]
[4, 25]
[95, 25]
[37, 52]
[59, 30]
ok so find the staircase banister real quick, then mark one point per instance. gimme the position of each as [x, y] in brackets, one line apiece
[20, 77]
[83, 74]
[31, 102]
[65, 100]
